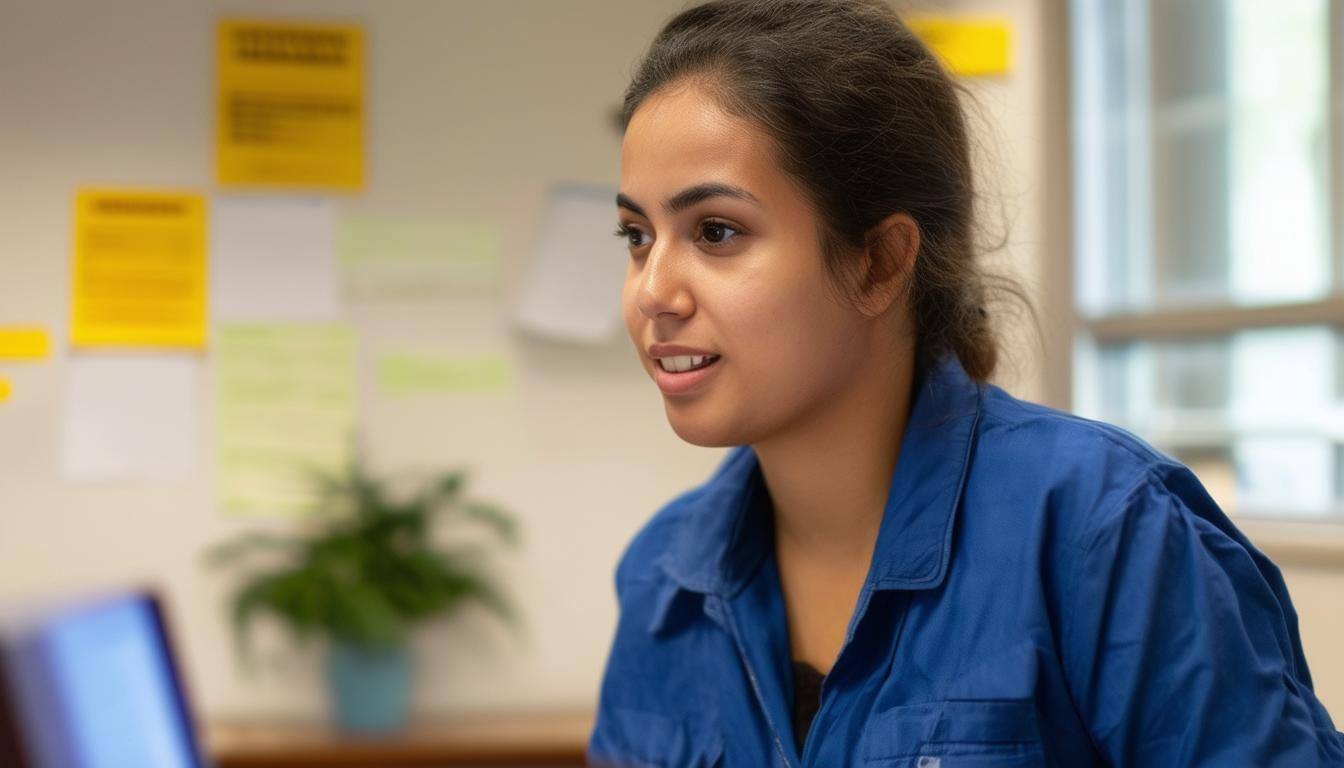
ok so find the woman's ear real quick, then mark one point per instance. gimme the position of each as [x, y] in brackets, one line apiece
[888, 262]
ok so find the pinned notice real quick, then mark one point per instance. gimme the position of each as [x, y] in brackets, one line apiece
[289, 105]
[284, 407]
[273, 259]
[24, 343]
[139, 275]
[411, 255]
[415, 373]
[969, 47]
[130, 417]
[572, 291]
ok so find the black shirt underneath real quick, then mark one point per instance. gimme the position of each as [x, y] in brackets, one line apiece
[806, 698]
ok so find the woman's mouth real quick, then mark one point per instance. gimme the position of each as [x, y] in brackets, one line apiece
[684, 373]
[685, 363]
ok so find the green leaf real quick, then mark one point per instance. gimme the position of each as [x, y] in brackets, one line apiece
[444, 489]
[288, 595]
[494, 518]
[368, 570]
[362, 616]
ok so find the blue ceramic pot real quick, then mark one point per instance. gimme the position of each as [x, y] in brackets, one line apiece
[370, 687]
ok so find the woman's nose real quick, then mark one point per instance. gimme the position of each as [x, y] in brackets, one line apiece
[663, 288]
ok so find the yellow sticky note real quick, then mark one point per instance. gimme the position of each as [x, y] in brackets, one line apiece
[967, 46]
[289, 105]
[23, 343]
[139, 276]
[5, 389]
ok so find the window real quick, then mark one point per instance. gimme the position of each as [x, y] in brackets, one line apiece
[1207, 157]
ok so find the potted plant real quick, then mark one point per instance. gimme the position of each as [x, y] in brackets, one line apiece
[365, 574]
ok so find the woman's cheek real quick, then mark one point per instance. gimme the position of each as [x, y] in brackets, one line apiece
[631, 315]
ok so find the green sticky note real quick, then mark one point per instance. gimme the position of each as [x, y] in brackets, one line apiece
[409, 373]
[285, 407]
[403, 254]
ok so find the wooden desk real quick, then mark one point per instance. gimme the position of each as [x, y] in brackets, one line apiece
[523, 739]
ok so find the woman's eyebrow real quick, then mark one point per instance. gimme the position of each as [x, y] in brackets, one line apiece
[690, 196]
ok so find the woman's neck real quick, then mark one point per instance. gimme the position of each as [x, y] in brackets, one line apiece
[829, 475]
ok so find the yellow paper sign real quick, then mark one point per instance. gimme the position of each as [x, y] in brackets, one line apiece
[970, 47]
[139, 274]
[24, 343]
[289, 105]
[5, 389]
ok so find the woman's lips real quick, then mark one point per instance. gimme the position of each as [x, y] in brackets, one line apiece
[683, 383]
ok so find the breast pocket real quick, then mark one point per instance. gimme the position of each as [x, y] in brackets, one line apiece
[634, 738]
[960, 733]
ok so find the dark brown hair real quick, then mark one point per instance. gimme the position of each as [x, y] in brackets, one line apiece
[868, 122]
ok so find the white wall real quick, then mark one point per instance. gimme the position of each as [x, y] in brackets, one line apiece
[475, 107]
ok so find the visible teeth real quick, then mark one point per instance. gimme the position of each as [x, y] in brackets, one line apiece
[682, 363]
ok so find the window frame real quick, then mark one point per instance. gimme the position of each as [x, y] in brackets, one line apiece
[1301, 541]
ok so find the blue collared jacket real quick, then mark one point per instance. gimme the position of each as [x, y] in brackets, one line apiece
[1045, 590]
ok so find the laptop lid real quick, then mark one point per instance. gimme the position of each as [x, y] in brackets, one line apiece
[93, 684]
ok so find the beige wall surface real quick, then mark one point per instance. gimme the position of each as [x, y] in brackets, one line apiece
[474, 107]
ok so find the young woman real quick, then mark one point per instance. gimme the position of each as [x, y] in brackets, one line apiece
[897, 564]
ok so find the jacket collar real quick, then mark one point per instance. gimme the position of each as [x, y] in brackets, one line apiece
[729, 526]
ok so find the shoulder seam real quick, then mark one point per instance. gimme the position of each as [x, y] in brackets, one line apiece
[1101, 429]
[1149, 477]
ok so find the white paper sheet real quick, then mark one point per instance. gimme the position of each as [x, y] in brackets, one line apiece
[572, 290]
[273, 259]
[130, 417]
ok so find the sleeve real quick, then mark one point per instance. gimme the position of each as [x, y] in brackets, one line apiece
[605, 747]
[1180, 643]
[624, 732]
[634, 725]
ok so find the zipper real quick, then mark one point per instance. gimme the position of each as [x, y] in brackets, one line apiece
[721, 606]
[810, 742]
[883, 669]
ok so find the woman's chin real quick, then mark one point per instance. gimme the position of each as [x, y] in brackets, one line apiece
[702, 429]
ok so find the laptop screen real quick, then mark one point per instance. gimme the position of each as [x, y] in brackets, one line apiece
[95, 686]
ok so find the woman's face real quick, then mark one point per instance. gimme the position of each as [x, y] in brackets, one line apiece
[724, 259]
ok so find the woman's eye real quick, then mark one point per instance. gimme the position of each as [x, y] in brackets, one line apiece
[717, 232]
[631, 235]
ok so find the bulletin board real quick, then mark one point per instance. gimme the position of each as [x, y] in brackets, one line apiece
[194, 253]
